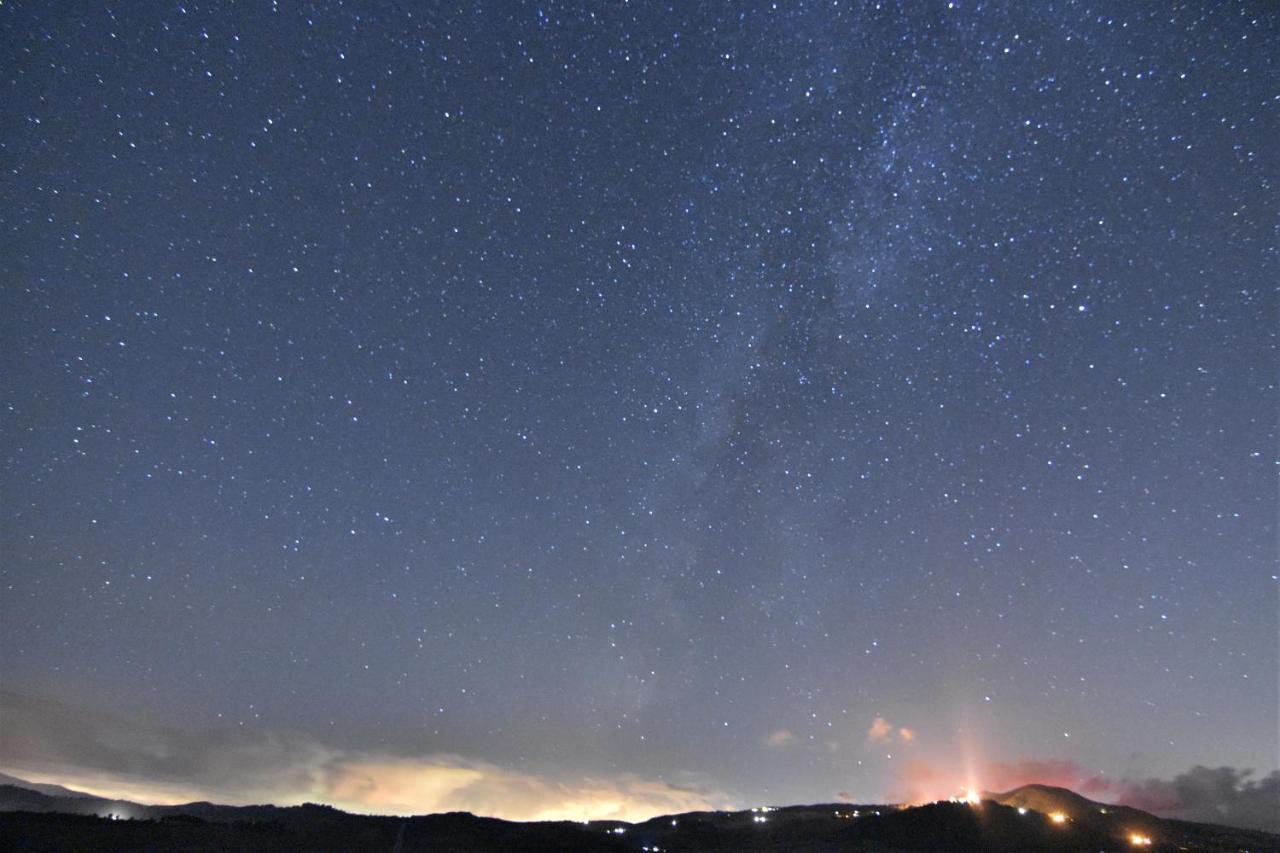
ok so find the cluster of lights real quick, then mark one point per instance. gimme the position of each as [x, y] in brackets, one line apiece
[847, 815]
[1057, 817]
[619, 830]
[1137, 839]
[759, 818]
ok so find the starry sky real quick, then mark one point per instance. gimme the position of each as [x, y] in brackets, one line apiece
[545, 408]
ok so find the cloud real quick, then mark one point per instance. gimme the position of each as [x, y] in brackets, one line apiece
[1211, 795]
[135, 759]
[782, 737]
[883, 731]
[387, 785]
[135, 755]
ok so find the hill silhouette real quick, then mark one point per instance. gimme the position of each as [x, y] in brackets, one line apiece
[1012, 822]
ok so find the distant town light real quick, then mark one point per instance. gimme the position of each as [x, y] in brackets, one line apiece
[1057, 817]
[1137, 839]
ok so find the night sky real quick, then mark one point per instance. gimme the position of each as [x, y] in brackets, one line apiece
[546, 409]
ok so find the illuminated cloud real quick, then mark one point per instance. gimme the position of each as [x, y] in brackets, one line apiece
[782, 737]
[920, 781]
[385, 785]
[129, 759]
[883, 731]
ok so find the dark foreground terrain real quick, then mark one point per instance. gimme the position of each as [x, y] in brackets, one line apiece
[1021, 821]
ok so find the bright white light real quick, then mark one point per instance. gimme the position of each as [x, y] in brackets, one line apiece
[1021, 810]
[1137, 839]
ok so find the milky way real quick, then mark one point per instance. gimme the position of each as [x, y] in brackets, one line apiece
[687, 403]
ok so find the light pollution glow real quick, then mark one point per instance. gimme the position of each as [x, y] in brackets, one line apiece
[389, 786]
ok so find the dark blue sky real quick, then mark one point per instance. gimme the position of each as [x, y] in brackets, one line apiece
[656, 396]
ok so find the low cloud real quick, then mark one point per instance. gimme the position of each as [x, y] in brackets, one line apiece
[1212, 795]
[387, 785]
[126, 758]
